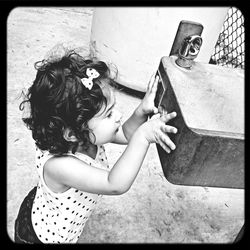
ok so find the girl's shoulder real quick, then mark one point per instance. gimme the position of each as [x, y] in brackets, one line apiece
[72, 170]
[56, 170]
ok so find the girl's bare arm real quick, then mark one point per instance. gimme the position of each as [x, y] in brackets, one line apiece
[140, 115]
[72, 172]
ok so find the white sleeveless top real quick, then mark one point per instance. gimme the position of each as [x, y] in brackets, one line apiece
[60, 217]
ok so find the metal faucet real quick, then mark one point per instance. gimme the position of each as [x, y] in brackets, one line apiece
[188, 51]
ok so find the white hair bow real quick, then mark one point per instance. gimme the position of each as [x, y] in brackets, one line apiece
[92, 74]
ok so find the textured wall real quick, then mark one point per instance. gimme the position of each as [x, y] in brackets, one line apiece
[135, 39]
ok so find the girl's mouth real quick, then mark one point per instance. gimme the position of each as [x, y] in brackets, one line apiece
[117, 129]
[120, 124]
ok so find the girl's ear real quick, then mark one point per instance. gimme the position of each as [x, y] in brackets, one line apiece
[68, 135]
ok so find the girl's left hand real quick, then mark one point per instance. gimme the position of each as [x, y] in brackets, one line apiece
[147, 106]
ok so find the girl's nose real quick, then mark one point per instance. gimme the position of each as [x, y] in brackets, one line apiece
[118, 116]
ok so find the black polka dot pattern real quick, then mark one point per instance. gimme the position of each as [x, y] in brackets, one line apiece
[60, 218]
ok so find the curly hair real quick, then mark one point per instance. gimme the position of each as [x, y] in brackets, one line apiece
[58, 100]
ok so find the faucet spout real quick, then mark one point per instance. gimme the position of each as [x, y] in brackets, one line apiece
[188, 51]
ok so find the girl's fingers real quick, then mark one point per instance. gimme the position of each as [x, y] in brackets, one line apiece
[154, 86]
[155, 116]
[164, 147]
[167, 141]
[155, 110]
[169, 129]
[151, 81]
[165, 117]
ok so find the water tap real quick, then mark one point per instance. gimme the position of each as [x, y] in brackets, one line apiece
[188, 51]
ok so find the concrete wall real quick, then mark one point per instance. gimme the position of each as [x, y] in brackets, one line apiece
[135, 39]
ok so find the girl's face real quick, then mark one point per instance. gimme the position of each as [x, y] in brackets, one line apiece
[106, 123]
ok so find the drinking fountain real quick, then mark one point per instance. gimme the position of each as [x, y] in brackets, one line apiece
[209, 101]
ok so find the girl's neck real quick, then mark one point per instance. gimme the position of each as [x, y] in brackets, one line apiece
[91, 151]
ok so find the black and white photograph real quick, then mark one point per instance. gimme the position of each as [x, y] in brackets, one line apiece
[125, 125]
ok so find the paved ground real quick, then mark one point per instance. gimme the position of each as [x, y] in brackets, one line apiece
[153, 210]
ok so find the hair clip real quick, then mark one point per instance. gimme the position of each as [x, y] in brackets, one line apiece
[92, 74]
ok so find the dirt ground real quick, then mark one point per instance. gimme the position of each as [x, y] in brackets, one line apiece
[153, 210]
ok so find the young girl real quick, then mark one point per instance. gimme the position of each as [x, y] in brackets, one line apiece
[72, 114]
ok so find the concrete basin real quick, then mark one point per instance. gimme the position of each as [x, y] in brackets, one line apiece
[209, 101]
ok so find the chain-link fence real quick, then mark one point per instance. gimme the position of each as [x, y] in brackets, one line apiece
[230, 48]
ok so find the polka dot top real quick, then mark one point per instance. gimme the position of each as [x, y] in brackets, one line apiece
[60, 217]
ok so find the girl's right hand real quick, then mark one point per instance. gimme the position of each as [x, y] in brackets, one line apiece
[155, 130]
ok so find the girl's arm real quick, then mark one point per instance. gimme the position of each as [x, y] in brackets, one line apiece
[72, 172]
[129, 126]
[140, 115]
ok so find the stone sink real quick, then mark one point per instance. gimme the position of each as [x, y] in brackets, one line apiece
[209, 101]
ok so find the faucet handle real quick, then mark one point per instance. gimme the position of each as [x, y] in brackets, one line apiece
[189, 50]
[190, 47]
